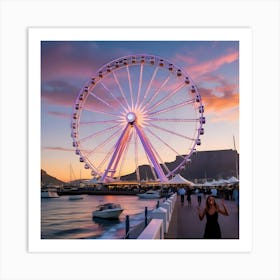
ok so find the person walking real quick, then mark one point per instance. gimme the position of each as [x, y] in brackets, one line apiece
[189, 198]
[235, 196]
[199, 196]
[211, 211]
[182, 193]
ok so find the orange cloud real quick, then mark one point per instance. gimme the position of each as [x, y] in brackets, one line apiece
[215, 103]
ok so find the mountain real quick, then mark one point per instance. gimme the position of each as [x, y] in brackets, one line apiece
[46, 179]
[204, 164]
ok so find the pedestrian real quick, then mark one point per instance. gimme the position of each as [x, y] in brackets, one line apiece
[235, 196]
[182, 193]
[199, 195]
[211, 211]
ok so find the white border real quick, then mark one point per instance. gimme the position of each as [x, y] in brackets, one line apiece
[243, 35]
[263, 16]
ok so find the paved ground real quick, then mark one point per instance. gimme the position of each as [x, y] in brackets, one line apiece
[185, 223]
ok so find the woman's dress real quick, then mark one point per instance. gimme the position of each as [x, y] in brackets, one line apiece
[212, 228]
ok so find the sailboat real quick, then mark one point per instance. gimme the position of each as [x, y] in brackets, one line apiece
[74, 196]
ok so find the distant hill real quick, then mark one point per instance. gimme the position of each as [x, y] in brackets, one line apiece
[46, 179]
[204, 164]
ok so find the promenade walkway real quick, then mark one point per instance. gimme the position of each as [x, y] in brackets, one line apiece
[185, 223]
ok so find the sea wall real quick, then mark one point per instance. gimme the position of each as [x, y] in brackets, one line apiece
[161, 217]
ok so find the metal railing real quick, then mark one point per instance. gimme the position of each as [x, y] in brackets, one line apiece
[135, 231]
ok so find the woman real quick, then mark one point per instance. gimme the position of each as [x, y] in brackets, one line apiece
[212, 228]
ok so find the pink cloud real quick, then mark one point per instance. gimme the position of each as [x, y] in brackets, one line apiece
[189, 60]
[59, 114]
[208, 66]
[58, 149]
[212, 65]
[59, 93]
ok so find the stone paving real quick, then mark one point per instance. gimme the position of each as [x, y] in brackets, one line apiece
[185, 223]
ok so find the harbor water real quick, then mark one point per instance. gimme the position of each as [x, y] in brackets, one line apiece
[62, 218]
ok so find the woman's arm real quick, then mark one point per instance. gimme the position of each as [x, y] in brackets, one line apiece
[201, 214]
[223, 211]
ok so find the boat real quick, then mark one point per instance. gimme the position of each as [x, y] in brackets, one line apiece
[107, 211]
[149, 194]
[76, 197]
[49, 193]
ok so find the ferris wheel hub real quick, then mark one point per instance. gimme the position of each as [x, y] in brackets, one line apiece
[131, 117]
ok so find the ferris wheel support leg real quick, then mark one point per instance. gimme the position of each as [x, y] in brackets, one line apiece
[149, 150]
[117, 153]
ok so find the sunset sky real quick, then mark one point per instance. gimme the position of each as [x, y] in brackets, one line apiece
[67, 65]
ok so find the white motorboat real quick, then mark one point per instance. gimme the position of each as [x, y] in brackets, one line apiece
[76, 197]
[150, 194]
[49, 193]
[107, 211]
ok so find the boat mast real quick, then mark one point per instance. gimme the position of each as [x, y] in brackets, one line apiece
[236, 161]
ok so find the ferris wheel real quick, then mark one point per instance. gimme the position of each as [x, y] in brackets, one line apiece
[137, 111]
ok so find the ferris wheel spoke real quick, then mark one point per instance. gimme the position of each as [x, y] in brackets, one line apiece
[122, 151]
[117, 151]
[109, 139]
[99, 122]
[113, 96]
[150, 152]
[106, 158]
[136, 156]
[130, 87]
[139, 84]
[173, 92]
[98, 133]
[123, 158]
[171, 120]
[156, 93]
[121, 89]
[101, 100]
[101, 112]
[150, 84]
[172, 132]
[164, 142]
[160, 160]
[173, 107]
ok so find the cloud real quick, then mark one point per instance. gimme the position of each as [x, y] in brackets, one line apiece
[59, 93]
[221, 97]
[74, 59]
[216, 103]
[60, 114]
[197, 69]
[58, 149]
[67, 59]
[188, 60]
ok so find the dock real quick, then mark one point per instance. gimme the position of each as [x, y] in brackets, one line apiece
[185, 223]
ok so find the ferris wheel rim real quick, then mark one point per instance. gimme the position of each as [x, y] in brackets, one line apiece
[108, 69]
